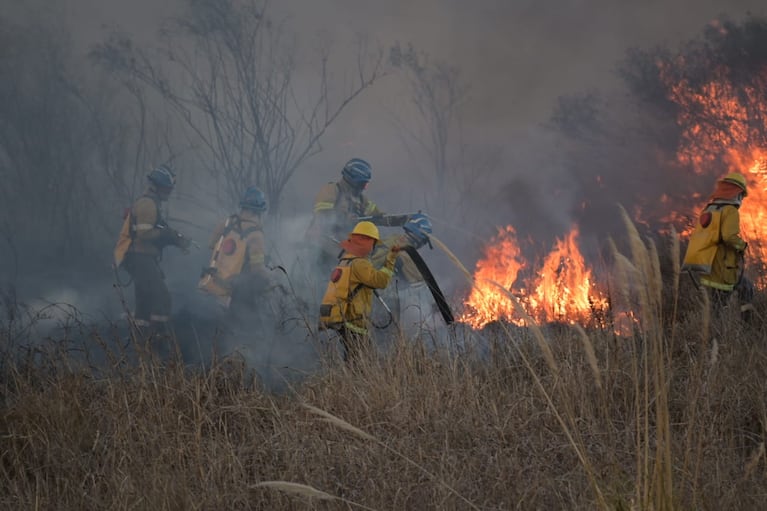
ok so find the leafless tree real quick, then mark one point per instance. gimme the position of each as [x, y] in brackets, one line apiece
[129, 138]
[48, 197]
[71, 144]
[229, 71]
[439, 95]
[678, 113]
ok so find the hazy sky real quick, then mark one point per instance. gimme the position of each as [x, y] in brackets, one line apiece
[518, 55]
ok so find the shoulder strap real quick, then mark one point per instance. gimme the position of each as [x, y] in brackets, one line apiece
[358, 287]
[233, 223]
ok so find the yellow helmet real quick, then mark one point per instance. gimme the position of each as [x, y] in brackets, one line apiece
[368, 229]
[736, 179]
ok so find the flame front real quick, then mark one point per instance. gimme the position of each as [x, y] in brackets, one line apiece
[501, 264]
[562, 290]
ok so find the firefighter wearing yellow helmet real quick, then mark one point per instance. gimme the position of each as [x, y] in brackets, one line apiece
[348, 298]
[715, 251]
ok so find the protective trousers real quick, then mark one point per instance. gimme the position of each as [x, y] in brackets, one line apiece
[249, 293]
[152, 298]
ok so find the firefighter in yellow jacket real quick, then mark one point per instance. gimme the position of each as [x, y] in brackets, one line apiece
[339, 206]
[715, 251]
[144, 235]
[348, 298]
[237, 275]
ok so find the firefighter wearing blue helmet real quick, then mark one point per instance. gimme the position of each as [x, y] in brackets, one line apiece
[139, 250]
[340, 205]
[237, 275]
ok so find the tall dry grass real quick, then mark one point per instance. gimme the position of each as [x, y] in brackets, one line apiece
[551, 417]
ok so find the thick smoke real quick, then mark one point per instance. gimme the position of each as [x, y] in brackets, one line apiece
[517, 58]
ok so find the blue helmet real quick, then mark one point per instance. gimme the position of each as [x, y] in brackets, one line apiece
[357, 172]
[418, 227]
[254, 199]
[162, 177]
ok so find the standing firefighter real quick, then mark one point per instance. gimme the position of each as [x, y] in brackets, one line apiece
[348, 298]
[237, 274]
[339, 206]
[143, 237]
[715, 252]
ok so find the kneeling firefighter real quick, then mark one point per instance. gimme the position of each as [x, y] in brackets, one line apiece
[348, 299]
[237, 275]
[144, 235]
[714, 256]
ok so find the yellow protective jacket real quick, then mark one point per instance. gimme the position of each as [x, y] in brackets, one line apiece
[348, 298]
[404, 268]
[715, 246]
[336, 210]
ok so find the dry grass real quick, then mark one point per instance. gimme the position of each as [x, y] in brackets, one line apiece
[672, 417]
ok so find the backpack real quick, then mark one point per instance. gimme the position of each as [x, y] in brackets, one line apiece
[704, 241]
[227, 261]
[338, 297]
[124, 239]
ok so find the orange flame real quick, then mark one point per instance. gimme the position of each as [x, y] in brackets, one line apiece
[501, 263]
[563, 288]
[561, 291]
[724, 129]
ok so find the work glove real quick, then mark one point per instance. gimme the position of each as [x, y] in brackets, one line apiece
[391, 257]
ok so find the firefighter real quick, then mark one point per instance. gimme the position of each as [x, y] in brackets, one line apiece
[714, 255]
[340, 205]
[139, 249]
[348, 299]
[237, 275]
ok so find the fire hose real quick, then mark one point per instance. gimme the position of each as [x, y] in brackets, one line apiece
[388, 311]
[436, 292]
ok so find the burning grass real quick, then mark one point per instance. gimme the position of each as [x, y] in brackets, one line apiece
[561, 289]
[553, 419]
